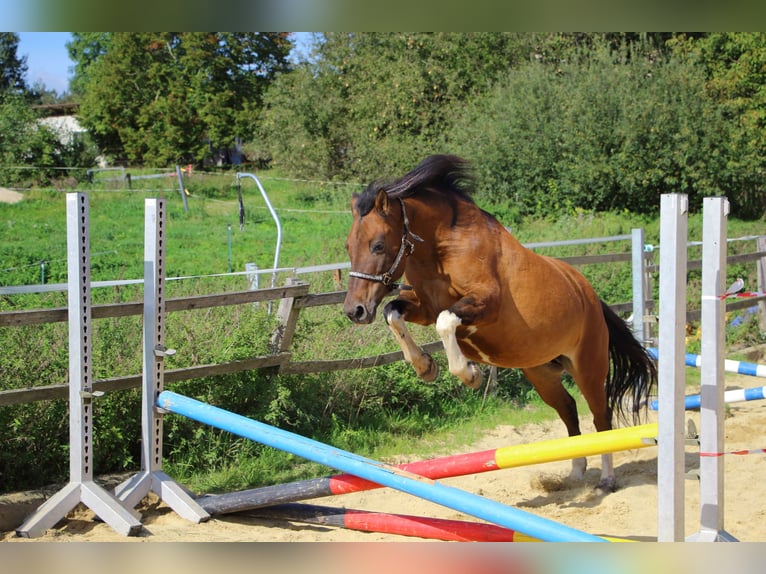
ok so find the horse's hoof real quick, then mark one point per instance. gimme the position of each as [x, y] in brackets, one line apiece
[433, 369]
[476, 377]
[606, 485]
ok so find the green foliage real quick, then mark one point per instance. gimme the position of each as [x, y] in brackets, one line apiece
[23, 142]
[553, 122]
[369, 104]
[734, 65]
[13, 68]
[165, 98]
[602, 132]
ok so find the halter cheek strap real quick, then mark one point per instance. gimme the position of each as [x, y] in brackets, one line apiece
[406, 249]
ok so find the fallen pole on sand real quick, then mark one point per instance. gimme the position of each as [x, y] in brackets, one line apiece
[462, 501]
[399, 524]
[438, 468]
[386, 523]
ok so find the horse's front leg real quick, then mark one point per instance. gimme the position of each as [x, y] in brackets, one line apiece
[424, 365]
[468, 372]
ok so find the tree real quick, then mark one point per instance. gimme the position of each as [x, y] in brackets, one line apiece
[609, 130]
[39, 94]
[371, 104]
[25, 143]
[365, 105]
[163, 98]
[734, 65]
[12, 67]
[84, 49]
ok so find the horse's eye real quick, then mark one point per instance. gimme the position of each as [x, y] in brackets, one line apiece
[378, 248]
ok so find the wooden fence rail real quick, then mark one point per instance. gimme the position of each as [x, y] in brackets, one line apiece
[293, 297]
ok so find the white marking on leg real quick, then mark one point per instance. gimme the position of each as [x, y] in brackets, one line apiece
[446, 325]
[578, 468]
[608, 480]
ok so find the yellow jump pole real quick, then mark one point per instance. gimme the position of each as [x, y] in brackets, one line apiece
[449, 466]
[577, 446]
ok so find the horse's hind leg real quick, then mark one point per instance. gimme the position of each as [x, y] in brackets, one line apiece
[591, 384]
[547, 382]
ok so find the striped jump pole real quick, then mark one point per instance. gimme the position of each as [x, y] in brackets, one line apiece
[438, 468]
[694, 402]
[730, 366]
[466, 502]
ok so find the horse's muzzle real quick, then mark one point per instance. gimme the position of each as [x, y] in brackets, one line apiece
[359, 314]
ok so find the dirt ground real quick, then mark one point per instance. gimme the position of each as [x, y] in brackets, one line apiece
[543, 490]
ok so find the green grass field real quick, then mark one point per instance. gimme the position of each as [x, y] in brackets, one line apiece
[378, 412]
[205, 240]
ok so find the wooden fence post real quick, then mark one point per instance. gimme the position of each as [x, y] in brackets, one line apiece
[287, 316]
[761, 273]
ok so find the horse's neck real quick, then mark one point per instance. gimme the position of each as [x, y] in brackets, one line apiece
[430, 215]
[440, 223]
[424, 222]
[441, 229]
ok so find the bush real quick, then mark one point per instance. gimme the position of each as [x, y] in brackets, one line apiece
[30, 153]
[603, 132]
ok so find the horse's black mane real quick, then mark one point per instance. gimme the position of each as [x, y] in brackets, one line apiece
[447, 173]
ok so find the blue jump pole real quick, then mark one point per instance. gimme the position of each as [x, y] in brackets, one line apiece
[466, 502]
[730, 366]
[694, 402]
[738, 395]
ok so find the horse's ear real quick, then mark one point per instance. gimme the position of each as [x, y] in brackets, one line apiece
[354, 201]
[381, 202]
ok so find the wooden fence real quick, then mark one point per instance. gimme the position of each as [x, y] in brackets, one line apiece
[294, 297]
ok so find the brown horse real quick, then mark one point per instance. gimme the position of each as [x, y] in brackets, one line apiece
[493, 301]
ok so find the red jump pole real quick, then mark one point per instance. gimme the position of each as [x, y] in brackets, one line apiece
[438, 468]
[385, 523]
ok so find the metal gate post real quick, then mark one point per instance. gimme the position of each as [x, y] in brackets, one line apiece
[151, 478]
[81, 487]
[638, 266]
[670, 368]
[713, 306]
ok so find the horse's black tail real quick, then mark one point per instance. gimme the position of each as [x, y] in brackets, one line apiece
[633, 372]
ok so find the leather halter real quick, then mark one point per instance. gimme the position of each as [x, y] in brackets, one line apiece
[406, 249]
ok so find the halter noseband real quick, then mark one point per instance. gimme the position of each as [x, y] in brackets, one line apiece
[406, 248]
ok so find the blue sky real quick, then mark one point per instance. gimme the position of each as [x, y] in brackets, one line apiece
[47, 58]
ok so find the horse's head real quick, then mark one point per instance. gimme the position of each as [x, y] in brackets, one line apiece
[377, 244]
